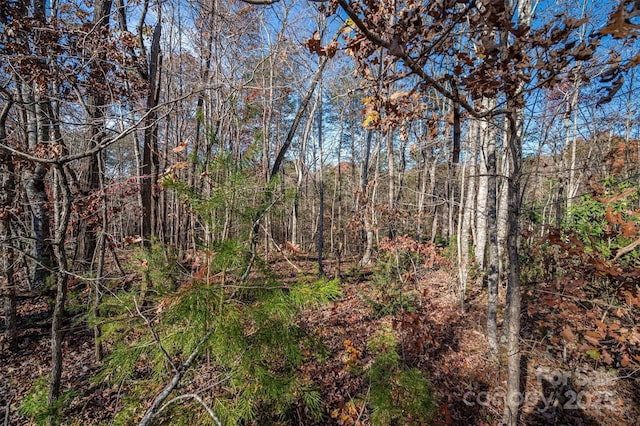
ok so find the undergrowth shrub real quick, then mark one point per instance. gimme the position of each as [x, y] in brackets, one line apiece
[248, 369]
[398, 396]
[243, 326]
[35, 406]
[587, 301]
[598, 238]
[398, 268]
[608, 222]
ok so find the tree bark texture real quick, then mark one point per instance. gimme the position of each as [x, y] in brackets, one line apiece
[320, 237]
[492, 230]
[7, 258]
[34, 184]
[95, 106]
[512, 405]
[62, 204]
[150, 155]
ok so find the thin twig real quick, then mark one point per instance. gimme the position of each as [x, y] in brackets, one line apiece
[155, 336]
[282, 252]
[197, 398]
[175, 380]
[578, 299]
[7, 412]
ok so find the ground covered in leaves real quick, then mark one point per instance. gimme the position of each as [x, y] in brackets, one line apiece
[433, 336]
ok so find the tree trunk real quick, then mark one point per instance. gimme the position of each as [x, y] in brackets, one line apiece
[337, 244]
[150, 157]
[422, 190]
[320, 184]
[95, 103]
[491, 220]
[465, 213]
[62, 204]
[369, 209]
[455, 152]
[277, 164]
[296, 235]
[432, 196]
[7, 258]
[34, 184]
[503, 204]
[391, 212]
[362, 199]
[512, 405]
[515, 106]
[102, 246]
[480, 235]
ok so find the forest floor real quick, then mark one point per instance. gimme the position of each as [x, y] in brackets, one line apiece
[434, 336]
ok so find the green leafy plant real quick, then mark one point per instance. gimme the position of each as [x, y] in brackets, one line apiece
[35, 406]
[397, 395]
[608, 223]
[591, 263]
[254, 350]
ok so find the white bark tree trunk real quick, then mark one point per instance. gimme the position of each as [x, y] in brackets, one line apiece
[487, 133]
[467, 208]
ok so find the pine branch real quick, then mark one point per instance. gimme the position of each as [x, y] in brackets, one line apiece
[175, 380]
[197, 398]
[155, 336]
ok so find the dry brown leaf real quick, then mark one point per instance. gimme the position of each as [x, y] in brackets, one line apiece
[568, 334]
[629, 229]
[180, 147]
[618, 25]
[592, 340]
[601, 325]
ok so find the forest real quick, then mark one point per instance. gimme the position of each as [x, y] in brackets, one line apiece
[319, 212]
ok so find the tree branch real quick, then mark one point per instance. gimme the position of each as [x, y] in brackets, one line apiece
[69, 158]
[175, 380]
[200, 401]
[155, 336]
[413, 65]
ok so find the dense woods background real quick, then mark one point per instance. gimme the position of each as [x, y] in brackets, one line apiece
[204, 190]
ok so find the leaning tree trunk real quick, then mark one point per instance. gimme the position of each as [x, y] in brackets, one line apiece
[277, 164]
